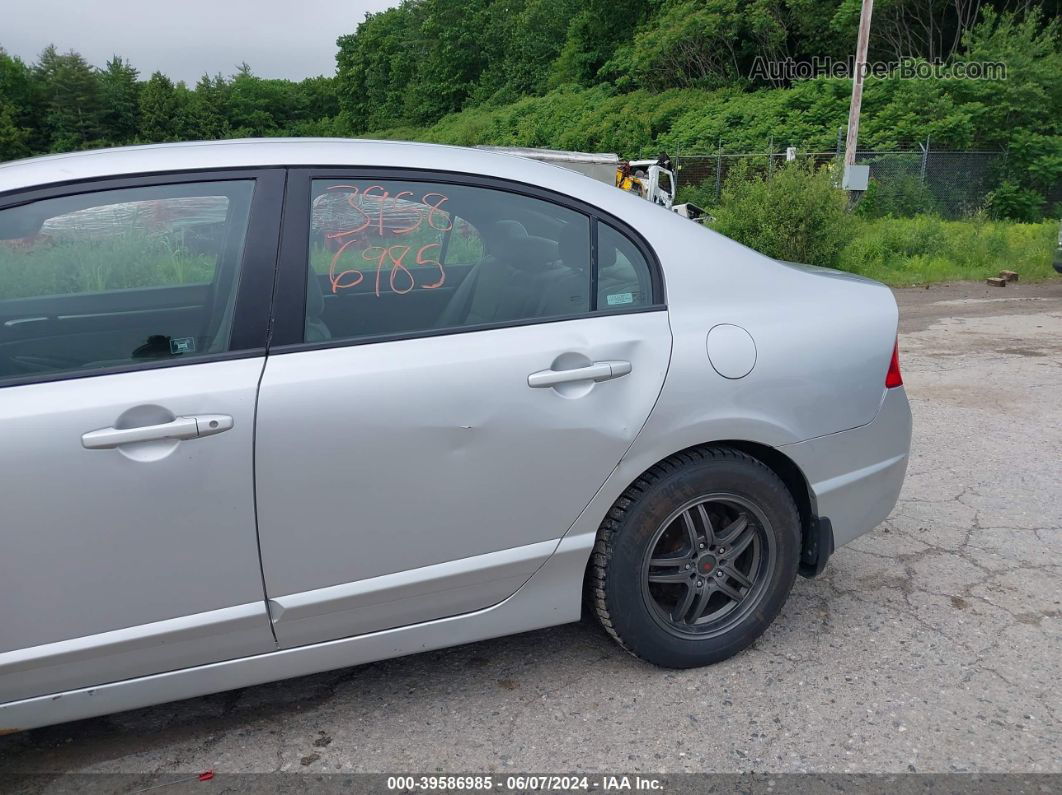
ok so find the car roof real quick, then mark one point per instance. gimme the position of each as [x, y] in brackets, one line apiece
[272, 152]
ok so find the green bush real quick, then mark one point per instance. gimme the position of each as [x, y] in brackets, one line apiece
[1011, 201]
[902, 195]
[702, 194]
[794, 214]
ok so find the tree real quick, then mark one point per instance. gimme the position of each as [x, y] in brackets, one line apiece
[14, 140]
[165, 110]
[120, 99]
[1022, 112]
[704, 43]
[595, 33]
[71, 97]
[210, 108]
[520, 45]
[17, 108]
[929, 29]
[450, 57]
[375, 65]
[259, 107]
[317, 98]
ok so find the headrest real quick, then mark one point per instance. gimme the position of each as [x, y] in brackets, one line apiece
[510, 229]
[607, 256]
[498, 235]
[529, 253]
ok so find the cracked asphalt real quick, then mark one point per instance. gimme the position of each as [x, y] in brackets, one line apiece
[929, 645]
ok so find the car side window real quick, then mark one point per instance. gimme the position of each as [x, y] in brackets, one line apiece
[111, 277]
[395, 256]
[623, 276]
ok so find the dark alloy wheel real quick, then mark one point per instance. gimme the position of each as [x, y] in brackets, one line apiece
[707, 565]
[696, 558]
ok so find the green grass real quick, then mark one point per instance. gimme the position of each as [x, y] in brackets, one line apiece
[115, 263]
[926, 249]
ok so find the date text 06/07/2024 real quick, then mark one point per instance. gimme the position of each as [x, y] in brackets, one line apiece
[524, 783]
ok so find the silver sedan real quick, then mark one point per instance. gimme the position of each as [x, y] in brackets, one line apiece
[277, 407]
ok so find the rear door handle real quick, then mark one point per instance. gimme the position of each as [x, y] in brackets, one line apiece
[598, 371]
[180, 428]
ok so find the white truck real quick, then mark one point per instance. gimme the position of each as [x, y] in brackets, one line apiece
[653, 180]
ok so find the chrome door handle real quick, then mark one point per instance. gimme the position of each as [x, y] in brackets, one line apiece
[598, 371]
[180, 428]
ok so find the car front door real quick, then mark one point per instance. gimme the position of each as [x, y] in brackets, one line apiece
[132, 334]
[463, 375]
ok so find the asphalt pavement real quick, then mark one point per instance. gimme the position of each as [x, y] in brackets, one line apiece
[933, 644]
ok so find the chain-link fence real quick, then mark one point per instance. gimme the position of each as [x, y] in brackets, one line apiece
[904, 182]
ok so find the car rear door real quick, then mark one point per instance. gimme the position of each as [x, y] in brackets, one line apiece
[464, 373]
[133, 315]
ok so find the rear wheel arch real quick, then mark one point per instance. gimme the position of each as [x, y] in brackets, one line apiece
[786, 469]
[778, 462]
[775, 460]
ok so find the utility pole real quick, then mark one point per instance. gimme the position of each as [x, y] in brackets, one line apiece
[852, 140]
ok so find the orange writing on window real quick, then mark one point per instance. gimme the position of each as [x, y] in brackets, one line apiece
[371, 204]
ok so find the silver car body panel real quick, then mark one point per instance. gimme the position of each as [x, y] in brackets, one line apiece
[405, 597]
[114, 566]
[856, 475]
[815, 393]
[222, 634]
[456, 456]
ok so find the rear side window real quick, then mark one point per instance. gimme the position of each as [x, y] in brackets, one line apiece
[109, 277]
[623, 276]
[393, 257]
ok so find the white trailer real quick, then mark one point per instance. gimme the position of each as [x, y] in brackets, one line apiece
[653, 180]
[601, 166]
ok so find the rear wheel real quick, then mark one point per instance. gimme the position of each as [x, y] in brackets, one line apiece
[696, 558]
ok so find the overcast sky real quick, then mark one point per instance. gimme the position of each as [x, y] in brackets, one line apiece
[185, 38]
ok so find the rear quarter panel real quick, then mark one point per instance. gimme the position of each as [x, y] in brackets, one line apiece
[823, 343]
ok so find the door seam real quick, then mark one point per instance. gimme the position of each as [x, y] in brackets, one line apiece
[254, 497]
[254, 429]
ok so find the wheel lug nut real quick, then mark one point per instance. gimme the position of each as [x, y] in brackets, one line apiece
[719, 574]
[687, 565]
[700, 583]
[701, 546]
[721, 550]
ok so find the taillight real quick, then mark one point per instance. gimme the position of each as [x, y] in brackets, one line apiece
[893, 377]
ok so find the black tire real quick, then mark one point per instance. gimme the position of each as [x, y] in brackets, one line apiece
[625, 575]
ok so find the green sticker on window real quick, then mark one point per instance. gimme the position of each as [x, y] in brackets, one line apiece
[180, 345]
[616, 299]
